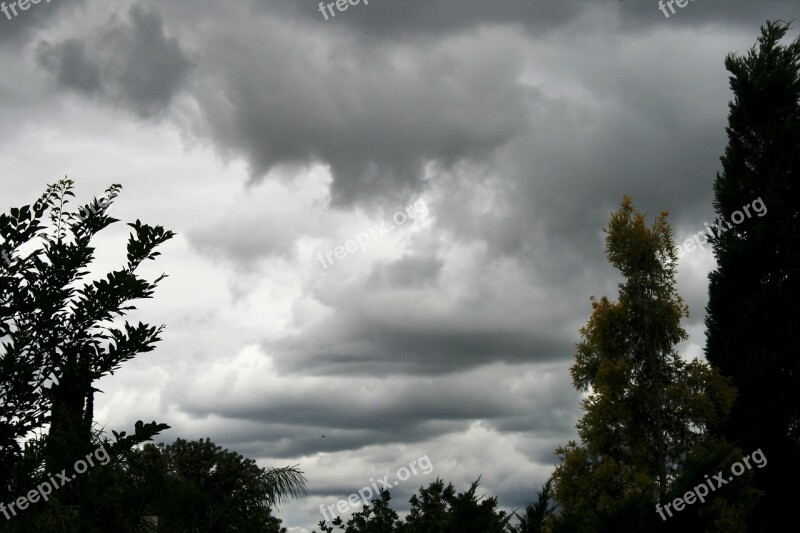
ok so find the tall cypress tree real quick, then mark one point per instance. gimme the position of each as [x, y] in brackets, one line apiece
[753, 309]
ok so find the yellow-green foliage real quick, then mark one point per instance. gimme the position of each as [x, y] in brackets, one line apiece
[646, 408]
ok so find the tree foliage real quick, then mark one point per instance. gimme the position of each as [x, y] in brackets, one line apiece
[436, 509]
[198, 486]
[538, 514]
[753, 307]
[646, 410]
[60, 334]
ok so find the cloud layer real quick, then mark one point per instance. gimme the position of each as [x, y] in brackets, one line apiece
[267, 136]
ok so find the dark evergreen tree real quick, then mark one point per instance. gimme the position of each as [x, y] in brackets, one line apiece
[538, 513]
[754, 294]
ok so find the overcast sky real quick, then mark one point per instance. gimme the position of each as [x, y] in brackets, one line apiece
[504, 132]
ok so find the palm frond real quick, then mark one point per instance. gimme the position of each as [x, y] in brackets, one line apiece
[282, 484]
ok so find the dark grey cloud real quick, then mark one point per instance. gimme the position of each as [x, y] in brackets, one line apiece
[742, 13]
[263, 438]
[372, 347]
[418, 330]
[376, 115]
[131, 63]
[18, 30]
[330, 105]
[407, 272]
[290, 417]
[137, 66]
[69, 62]
[402, 19]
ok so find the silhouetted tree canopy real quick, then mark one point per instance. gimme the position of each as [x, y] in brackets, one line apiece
[753, 308]
[61, 334]
[435, 509]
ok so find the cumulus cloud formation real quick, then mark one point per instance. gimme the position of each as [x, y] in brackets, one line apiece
[375, 114]
[132, 64]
